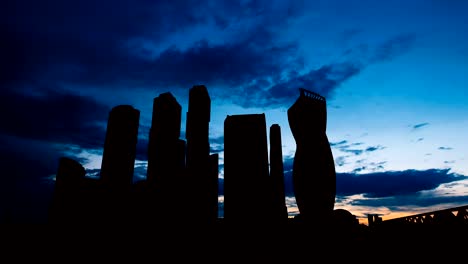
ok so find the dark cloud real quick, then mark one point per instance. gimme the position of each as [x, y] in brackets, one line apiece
[340, 161]
[420, 125]
[220, 186]
[322, 81]
[393, 47]
[139, 172]
[54, 116]
[133, 45]
[396, 203]
[391, 188]
[374, 148]
[365, 166]
[445, 148]
[217, 144]
[93, 173]
[232, 64]
[75, 43]
[353, 151]
[348, 35]
[327, 78]
[26, 179]
[391, 183]
[338, 143]
[142, 149]
[345, 147]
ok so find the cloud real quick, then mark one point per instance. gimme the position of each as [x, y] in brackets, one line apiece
[149, 45]
[338, 143]
[445, 148]
[420, 125]
[25, 180]
[394, 203]
[374, 148]
[230, 64]
[137, 45]
[54, 116]
[393, 47]
[367, 167]
[323, 81]
[340, 161]
[216, 144]
[391, 183]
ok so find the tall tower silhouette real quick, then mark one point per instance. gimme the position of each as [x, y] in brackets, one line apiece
[279, 210]
[246, 188]
[118, 159]
[314, 177]
[164, 146]
[202, 187]
[67, 199]
[166, 160]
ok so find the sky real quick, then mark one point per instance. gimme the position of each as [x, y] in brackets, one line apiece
[394, 74]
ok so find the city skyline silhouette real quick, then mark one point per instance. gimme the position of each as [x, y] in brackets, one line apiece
[175, 164]
[393, 75]
[182, 188]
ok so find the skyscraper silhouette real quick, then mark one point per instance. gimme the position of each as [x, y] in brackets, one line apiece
[166, 159]
[202, 185]
[118, 158]
[118, 161]
[66, 200]
[314, 178]
[164, 146]
[279, 210]
[246, 188]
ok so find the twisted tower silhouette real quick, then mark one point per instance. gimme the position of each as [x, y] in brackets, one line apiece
[314, 177]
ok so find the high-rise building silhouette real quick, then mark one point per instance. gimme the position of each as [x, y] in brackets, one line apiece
[314, 178]
[119, 154]
[164, 146]
[279, 210]
[66, 200]
[166, 160]
[202, 186]
[197, 128]
[117, 167]
[246, 188]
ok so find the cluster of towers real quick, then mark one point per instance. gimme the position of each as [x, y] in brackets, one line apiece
[182, 175]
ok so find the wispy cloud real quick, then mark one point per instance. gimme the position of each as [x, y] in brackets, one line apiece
[374, 148]
[420, 125]
[445, 148]
[338, 143]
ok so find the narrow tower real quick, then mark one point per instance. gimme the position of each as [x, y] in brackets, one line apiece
[279, 210]
[202, 184]
[118, 159]
[246, 188]
[314, 178]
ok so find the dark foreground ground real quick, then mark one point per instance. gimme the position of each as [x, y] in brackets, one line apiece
[232, 242]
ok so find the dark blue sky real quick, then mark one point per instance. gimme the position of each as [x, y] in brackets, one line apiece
[394, 74]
